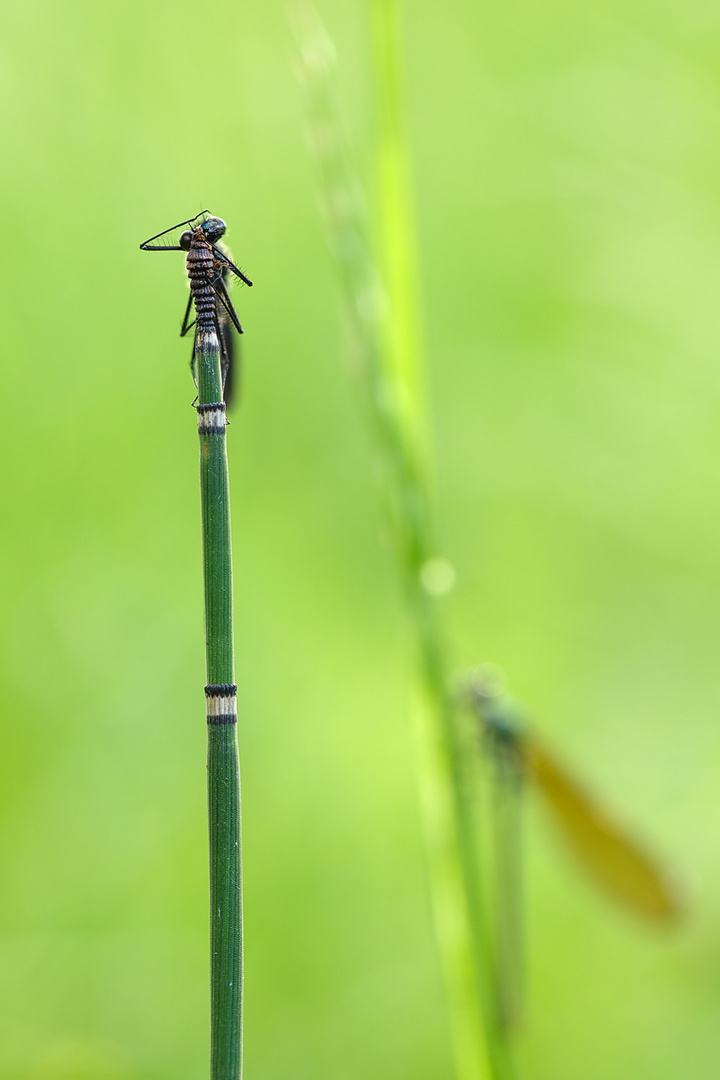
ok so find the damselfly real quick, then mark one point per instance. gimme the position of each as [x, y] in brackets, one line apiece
[209, 268]
[614, 859]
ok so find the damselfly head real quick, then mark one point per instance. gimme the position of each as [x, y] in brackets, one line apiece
[499, 721]
[213, 228]
[488, 680]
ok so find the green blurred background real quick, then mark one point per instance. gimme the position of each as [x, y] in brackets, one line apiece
[567, 165]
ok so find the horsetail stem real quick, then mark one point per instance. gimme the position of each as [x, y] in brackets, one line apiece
[221, 695]
[208, 265]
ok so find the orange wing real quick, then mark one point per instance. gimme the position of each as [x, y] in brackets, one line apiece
[600, 843]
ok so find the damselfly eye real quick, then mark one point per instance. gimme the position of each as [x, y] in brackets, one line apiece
[185, 239]
[214, 228]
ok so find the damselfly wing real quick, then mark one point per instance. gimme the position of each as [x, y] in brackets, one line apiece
[179, 238]
[229, 350]
[616, 861]
[611, 856]
[225, 325]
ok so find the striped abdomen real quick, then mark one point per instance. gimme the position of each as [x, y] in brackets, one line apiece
[200, 272]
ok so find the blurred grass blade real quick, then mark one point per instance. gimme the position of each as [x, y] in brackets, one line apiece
[384, 321]
[607, 851]
[402, 325]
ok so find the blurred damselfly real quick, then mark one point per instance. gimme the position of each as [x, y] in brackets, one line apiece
[610, 855]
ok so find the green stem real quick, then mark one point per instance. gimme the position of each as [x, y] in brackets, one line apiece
[385, 334]
[449, 815]
[222, 760]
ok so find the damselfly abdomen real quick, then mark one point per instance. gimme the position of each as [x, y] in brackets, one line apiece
[210, 269]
